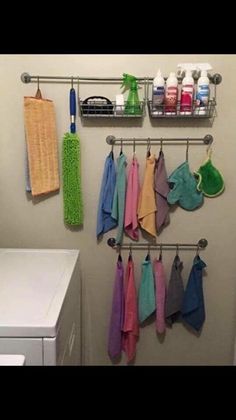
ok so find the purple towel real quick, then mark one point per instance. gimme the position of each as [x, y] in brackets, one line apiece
[117, 313]
[161, 188]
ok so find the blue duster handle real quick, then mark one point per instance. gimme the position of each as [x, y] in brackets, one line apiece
[72, 110]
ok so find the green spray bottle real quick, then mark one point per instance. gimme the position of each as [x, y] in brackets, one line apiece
[133, 103]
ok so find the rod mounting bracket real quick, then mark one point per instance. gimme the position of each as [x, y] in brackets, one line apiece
[111, 242]
[25, 78]
[110, 140]
[208, 139]
[202, 243]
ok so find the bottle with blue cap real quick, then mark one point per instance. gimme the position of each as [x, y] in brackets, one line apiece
[203, 93]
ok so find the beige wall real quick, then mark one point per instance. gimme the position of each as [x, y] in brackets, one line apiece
[25, 224]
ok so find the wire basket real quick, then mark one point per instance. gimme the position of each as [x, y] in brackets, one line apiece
[194, 111]
[98, 109]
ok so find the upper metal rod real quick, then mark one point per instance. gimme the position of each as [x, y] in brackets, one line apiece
[27, 78]
[112, 140]
[202, 243]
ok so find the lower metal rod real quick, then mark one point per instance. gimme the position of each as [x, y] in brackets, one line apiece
[202, 243]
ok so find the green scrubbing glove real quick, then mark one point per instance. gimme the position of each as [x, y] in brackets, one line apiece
[72, 194]
[210, 181]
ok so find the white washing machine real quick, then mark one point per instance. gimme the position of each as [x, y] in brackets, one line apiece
[40, 305]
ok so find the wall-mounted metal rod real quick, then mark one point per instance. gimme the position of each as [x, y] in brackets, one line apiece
[27, 78]
[112, 140]
[202, 243]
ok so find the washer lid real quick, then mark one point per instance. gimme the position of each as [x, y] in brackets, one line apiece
[33, 285]
[12, 360]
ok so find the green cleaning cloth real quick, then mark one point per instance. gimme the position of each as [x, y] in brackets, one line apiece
[72, 193]
[210, 180]
[146, 297]
[184, 188]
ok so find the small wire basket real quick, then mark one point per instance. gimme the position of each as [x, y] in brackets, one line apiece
[98, 109]
[178, 111]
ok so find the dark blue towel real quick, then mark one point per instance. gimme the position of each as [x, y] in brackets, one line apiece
[104, 220]
[193, 309]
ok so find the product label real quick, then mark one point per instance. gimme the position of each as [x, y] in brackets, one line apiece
[171, 99]
[186, 98]
[158, 95]
[202, 95]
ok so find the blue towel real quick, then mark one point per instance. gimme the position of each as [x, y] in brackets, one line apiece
[193, 309]
[104, 220]
[118, 205]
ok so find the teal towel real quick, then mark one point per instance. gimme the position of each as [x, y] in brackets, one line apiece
[118, 205]
[184, 190]
[146, 297]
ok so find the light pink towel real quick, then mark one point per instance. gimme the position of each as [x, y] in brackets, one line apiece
[131, 324]
[160, 282]
[131, 202]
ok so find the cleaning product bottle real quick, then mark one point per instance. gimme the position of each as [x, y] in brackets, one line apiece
[120, 104]
[187, 92]
[158, 94]
[203, 93]
[171, 94]
[133, 103]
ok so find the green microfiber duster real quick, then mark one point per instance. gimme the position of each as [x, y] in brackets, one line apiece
[210, 180]
[72, 193]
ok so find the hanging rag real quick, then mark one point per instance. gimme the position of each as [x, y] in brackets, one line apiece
[193, 308]
[117, 313]
[104, 220]
[146, 297]
[184, 190]
[175, 293]
[147, 205]
[118, 205]
[71, 167]
[42, 146]
[162, 189]
[160, 282]
[210, 180]
[131, 201]
[131, 325]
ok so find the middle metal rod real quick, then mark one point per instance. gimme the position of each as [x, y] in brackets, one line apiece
[112, 140]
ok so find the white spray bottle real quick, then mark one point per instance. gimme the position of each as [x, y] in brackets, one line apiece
[203, 89]
[158, 94]
[187, 91]
[171, 94]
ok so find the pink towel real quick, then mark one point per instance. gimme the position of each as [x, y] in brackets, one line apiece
[131, 202]
[160, 282]
[131, 325]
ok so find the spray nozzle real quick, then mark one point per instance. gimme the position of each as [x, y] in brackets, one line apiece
[196, 68]
[129, 82]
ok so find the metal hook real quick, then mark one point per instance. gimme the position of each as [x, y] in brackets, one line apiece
[177, 250]
[161, 145]
[38, 82]
[121, 147]
[112, 150]
[187, 150]
[134, 147]
[197, 252]
[72, 82]
[119, 252]
[160, 253]
[148, 147]
[130, 251]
